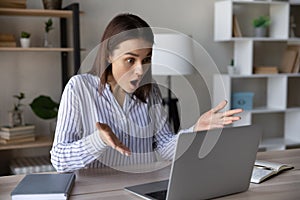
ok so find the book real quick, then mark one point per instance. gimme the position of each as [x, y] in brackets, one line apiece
[44, 186]
[265, 70]
[264, 169]
[18, 129]
[8, 44]
[296, 66]
[291, 59]
[13, 4]
[7, 37]
[288, 61]
[17, 140]
[8, 136]
[236, 30]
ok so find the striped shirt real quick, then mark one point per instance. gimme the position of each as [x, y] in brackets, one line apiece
[142, 127]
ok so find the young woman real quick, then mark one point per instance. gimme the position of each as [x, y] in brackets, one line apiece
[113, 115]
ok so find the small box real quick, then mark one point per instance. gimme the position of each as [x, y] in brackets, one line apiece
[243, 100]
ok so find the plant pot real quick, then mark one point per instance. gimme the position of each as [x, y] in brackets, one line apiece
[25, 42]
[52, 4]
[232, 70]
[261, 32]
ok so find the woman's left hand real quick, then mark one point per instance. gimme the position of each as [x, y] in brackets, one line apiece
[215, 119]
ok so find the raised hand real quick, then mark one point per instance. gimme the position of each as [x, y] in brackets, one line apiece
[111, 139]
[215, 119]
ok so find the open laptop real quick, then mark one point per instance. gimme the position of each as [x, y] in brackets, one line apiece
[207, 165]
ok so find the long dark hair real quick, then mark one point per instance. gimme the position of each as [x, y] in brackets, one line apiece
[121, 28]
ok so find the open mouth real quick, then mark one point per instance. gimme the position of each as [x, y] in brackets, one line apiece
[134, 83]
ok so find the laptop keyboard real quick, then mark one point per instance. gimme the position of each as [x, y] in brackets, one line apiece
[159, 195]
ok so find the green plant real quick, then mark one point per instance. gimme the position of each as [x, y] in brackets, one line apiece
[44, 107]
[232, 62]
[25, 34]
[19, 98]
[262, 21]
[48, 25]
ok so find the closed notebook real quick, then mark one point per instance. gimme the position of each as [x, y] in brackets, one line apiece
[44, 186]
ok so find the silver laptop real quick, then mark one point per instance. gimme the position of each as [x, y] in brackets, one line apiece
[207, 165]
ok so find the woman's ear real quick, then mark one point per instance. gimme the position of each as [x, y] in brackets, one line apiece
[109, 58]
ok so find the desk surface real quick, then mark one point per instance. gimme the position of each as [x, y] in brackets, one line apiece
[108, 184]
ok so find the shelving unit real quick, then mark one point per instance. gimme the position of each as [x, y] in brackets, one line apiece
[69, 19]
[276, 102]
[70, 12]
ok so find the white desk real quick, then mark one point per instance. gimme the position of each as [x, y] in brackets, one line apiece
[108, 184]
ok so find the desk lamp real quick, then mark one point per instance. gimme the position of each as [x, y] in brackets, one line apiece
[172, 56]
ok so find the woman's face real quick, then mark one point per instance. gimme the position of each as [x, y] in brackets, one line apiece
[130, 61]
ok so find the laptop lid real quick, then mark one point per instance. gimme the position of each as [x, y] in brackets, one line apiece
[208, 164]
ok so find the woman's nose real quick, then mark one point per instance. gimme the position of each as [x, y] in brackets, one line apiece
[139, 69]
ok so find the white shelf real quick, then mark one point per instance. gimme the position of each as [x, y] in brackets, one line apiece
[276, 101]
[266, 110]
[267, 2]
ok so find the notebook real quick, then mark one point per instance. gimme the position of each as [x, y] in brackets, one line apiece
[44, 186]
[207, 165]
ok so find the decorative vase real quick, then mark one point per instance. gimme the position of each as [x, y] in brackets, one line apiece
[16, 118]
[52, 4]
[25, 42]
[47, 42]
[260, 32]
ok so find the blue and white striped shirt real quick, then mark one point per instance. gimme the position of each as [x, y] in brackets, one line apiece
[142, 127]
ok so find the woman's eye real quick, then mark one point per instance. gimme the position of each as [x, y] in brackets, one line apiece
[130, 60]
[147, 60]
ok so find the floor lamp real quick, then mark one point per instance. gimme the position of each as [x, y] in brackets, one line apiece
[172, 56]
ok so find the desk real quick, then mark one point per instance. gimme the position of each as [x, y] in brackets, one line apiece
[108, 184]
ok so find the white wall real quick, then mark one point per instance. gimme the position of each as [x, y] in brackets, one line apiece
[39, 73]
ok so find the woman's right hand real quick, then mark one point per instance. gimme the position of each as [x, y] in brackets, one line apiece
[110, 139]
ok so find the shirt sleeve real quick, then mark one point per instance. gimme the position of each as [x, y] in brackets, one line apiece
[72, 149]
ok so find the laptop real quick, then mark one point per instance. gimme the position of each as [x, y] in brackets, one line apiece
[207, 164]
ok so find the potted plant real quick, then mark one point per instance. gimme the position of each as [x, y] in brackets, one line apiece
[16, 117]
[231, 68]
[45, 108]
[48, 28]
[260, 25]
[25, 39]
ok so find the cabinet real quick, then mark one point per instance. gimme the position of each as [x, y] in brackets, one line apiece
[276, 102]
[69, 46]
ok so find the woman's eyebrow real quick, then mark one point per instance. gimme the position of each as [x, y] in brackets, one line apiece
[137, 55]
[132, 54]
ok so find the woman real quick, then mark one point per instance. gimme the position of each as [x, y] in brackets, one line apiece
[113, 115]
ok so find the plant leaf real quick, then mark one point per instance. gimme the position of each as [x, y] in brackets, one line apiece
[44, 107]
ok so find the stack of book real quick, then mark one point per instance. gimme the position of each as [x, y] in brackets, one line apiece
[7, 40]
[291, 59]
[13, 4]
[19, 134]
[265, 70]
